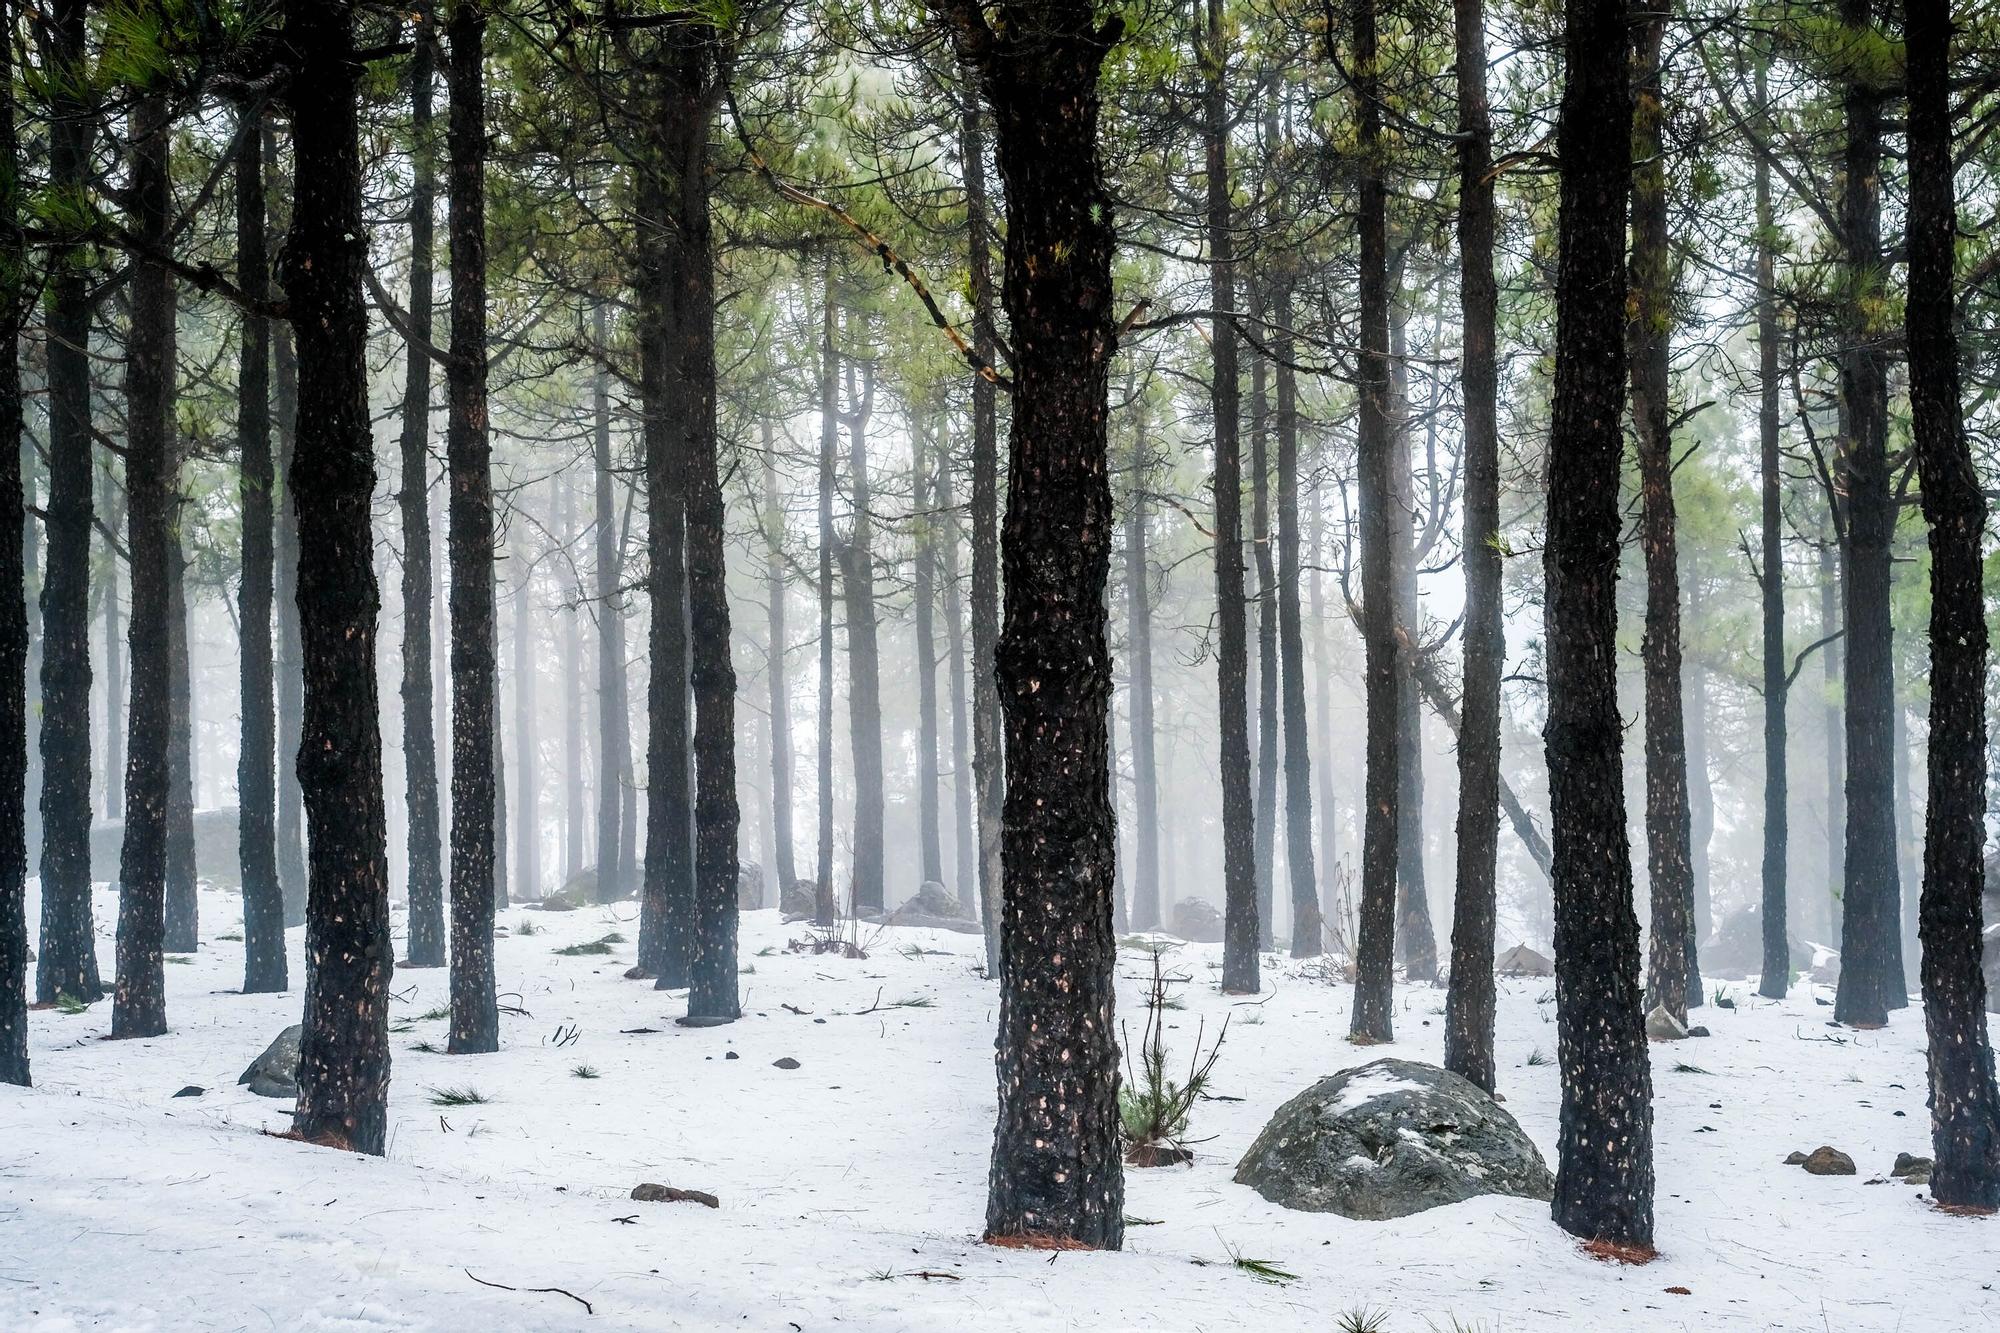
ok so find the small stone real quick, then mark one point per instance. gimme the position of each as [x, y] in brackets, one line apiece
[1698, 1031]
[1795, 1159]
[1825, 1161]
[1912, 1170]
[731, 1055]
[652, 1193]
[784, 1062]
[190, 1091]
[275, 1073]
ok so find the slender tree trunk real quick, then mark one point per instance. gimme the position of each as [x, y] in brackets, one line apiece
[1329, 842]
[829, 447]
[1266, 805]
[67, 964]
[139, 1005]
[1241, 933]
[924, 595]
[864, 689]
[111, 503]
[14, 575]
[264, 965]
[1056, 1176]
[1701, 812]
[1870, 971]
[344, 1050]
[1604, 1180]
[425, 947]
[1648, 334]
[964, 839]
[292, 872]
[1469, 1001]
[1375, 950]
[989, 758]
[1308, 929]
[777, 672]
[1139, 629]
[475, 1017]
[574, 768]
[1415, 937]
[1777, 966]
[1965, 1105]
[527, 740]
[614, 740]
[182, 910]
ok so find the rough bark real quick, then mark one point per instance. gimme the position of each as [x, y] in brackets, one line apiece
[344, 1049]
[14, 574]
[426, 944]
[1265, 807]
[829, 449]
[1776, 973]
[1604, 1180]
[1056, 1175]
[1469, 1001]
[475, 1016]
[1965, 1105]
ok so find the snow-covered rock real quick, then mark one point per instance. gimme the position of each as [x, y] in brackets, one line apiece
[1388, 1139]
[275, 1073]
[1195, 920]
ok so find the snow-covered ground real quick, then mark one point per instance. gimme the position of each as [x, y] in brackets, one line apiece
[853, 1186]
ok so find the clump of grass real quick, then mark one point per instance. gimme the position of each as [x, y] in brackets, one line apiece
[1153, 1109]
[601, 945]
[229, 939]
[527, 928]
[1683, 1067]
[1261, 1269]
[584, 1071]
[1538, 1056]
[69, 1004]
[432, 1015]
[458, 1097]
[1361, 1319]
[425, 1047]
[180, 958]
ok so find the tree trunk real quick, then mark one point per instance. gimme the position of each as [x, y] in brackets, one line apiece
[344, 1050]
[1870, 970]
[527, 741]
[614, 738]
[1965, 1105]
[67, 964]
[864, 669]
[924, 595]
[1777, 966]
[475, 1016]
[139, 1006]
[1375, 949]
[1604, 1180]
[964, 840]
[1241, 933]
[1469, 1001]
[777, 673]
[1648, 345]
[989, 759]
[14, 574]
[111, 504]
[1329, 843]
[829, 447]
[182, 909]
[1056, 1177]
[1264, 810]
[1139, 630]
[264, 964]
[574, 768]
[425, 947]
[1308, 928]
[292, 873]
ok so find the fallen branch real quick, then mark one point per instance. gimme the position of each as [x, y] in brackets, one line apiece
[540, 1291]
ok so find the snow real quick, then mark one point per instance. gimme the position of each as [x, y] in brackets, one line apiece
[846, 1180]
[1367, 1087]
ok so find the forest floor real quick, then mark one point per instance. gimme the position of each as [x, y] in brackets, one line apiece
[853, 1186]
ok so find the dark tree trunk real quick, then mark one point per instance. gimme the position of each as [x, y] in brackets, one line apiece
[475, 1017]
[964, 840]
[1870, 967]
[1241, 933]
[614, 739]
[14, 574]
[527, 741]
[695, 90]
[182, 909]
[1831, 618]
[139, 1005]
[1415, 938]
[829, 449]
[778, 675]
[1329, 842]
[425, 947]
[292, 874]
[1375, 949]
[864, 663]
[67, 964]
[1056, 1176]
[344, 1051]
[1266, 805]
[989, 758]
[1776, 974]
[1604, 1181]
[264, 964]
[1965, 1106]
[924, 595]
[1648, 333]
[1701, 811]
[1139, 630]
[1469, 1001]
[111, 506]
[1308, 928]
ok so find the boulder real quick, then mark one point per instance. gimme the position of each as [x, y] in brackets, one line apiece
[933, 899]
[1195, 920]
[1825, 1161]
[796, 899]
[216, 855]
[275, 1073]
[1736, 950]
[651, 1192]
[749, 886]
[1388, 1139]
[1912, 1170]
[1663, 1026]
[1521, 961]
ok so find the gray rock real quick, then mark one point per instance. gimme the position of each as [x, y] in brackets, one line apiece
[933, 900]
[654, 1193]
[1521, 961]
[1912, 1170]
[1663, 1026]
[1388, 1139]
[796, 899]
[1195, 920]
[1736, 950]
[275, 1073]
